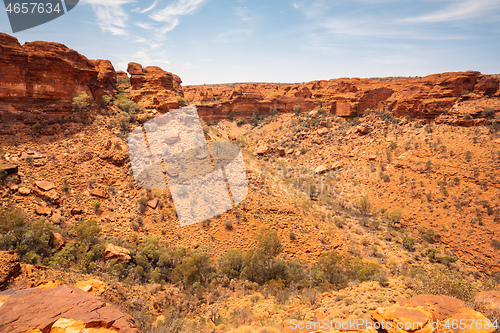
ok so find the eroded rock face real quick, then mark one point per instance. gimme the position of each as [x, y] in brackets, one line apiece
[9, 268]
[154, 88]
[39, 80]
[429, 313]
[427, 97]
[60, 309]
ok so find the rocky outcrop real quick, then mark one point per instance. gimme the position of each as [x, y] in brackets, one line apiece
[430, 313]
[428, 97]
[60, 308]
[40, 79]
[154, 88]
[117, 253]
[9, 268]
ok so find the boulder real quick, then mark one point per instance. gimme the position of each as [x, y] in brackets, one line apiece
[97, 192]
[93, 286]
[45, 185]
[24, 191]
[43, 210]
[61, 309]
[421, 313]
[9, 268]
[117, 253]
[153, 203]
[320, 170]
[262, 150]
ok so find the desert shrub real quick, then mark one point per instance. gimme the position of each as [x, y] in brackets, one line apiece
[429, 236]
[12, 225]
[394, 217]
[447, 260]
[296, 110]
[282, 296]
[106, 100]
[292, 236]
[88, 232]
[241, 141]
[365, 205]
[124, 103]
[431, 253]
[81, 101]
[240, 121]
[183, 102]
[231, 263]
[330, 269]
[142, 205]
[197, 267]
[408, 243]
[228, 224]
[96, 204]
[446, 282]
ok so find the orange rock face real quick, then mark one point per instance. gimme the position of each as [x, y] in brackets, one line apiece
[60, 308]
[430, 313]
[154, 88]
[427, 97]
[40, 79]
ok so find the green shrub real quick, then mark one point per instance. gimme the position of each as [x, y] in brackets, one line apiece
[296, 110]
[408, 243]
[96, 204]
[394, 217]
[106, 100]
[240, 121]
[197, 267]
[81, 101]
[446, 282]
[183, 102]
[124, 103]
[365, 206]
[88, 232]
[231, 264]
[431, 253]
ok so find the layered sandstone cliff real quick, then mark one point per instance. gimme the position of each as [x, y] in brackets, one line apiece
[428, 97]
[39, 80]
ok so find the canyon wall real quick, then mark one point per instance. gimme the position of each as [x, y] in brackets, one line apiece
[429, 97]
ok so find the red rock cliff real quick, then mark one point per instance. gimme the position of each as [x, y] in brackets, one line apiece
[427, 97]
[38, 80]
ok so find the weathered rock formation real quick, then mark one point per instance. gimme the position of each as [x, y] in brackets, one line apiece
[38, 80]
[427, 97]
[430, 313]
[60, 308]
[9, 268]
[154, 88]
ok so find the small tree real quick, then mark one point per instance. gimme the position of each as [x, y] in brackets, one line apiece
[81, 101]
[365, 206]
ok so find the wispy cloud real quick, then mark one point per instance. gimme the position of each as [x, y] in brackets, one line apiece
[149, 8]
[169, 15]
[457, 10]
[110, 15]
[242, 13]
[233, 36]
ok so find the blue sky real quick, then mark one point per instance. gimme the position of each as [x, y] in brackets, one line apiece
[218, 41]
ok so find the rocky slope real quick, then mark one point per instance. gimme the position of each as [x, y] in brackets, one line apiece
[430, 97]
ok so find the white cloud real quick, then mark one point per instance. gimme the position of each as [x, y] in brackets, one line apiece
[149, 8]
[170, 14]
[458, 10]
[110, 15]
